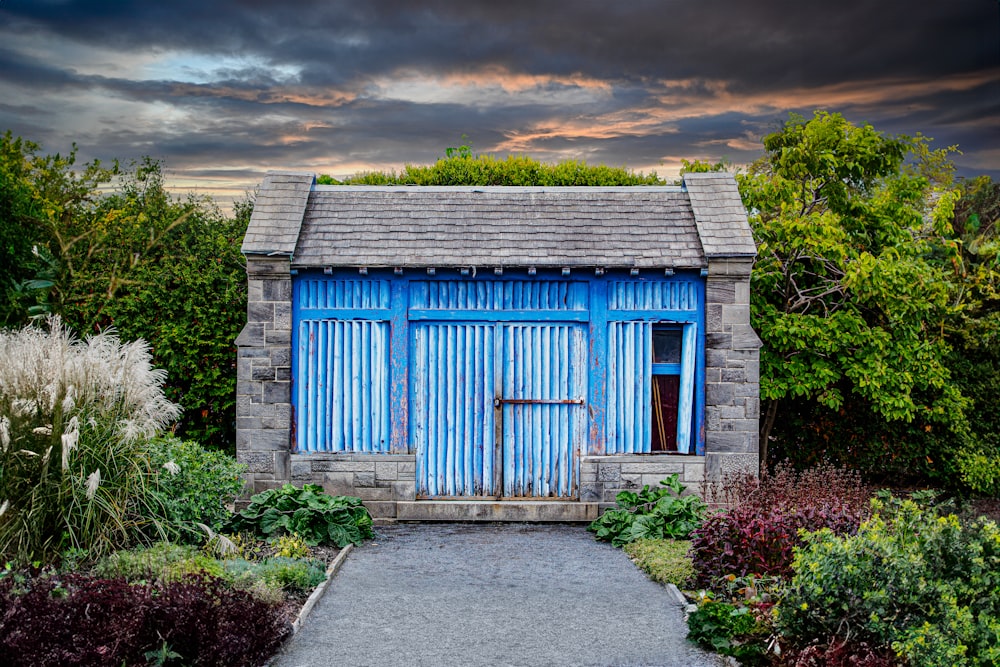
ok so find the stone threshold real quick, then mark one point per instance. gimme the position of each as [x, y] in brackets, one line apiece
[496, 510]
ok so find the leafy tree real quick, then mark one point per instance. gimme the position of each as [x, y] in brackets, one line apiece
[109, 247]
[851, 292]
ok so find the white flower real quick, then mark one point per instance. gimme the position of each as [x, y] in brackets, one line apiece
[69, 402]
[4, 506]
[42, 430]
[4, 433]
[172, 467]
[69, 440]
[93, 481]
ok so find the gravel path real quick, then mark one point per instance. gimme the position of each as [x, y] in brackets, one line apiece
[493, 594]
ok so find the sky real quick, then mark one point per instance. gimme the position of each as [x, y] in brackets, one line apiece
[222, 90]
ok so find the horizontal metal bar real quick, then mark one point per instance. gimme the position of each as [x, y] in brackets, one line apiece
[538, 401]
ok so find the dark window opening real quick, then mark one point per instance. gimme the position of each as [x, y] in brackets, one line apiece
[666, 393]
[666, 345]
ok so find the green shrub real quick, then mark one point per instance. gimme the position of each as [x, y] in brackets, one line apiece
[318, 518]
[194, 486]
[980, 471]
[74, 419]
[160, 562]
[650, 514]
[665, 561]
[276, 573]
[910, 579]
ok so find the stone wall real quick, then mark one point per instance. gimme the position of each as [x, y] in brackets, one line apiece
[732, 371]
[264, 374]
[604, 477]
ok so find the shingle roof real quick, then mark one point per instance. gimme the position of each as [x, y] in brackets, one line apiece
[408, 226]
[720, 215]
[277, 214]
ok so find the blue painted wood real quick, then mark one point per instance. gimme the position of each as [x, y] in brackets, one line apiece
[685, 399]
[452, 328]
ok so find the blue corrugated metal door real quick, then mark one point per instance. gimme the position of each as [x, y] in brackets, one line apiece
[498, 409]
[542, 404]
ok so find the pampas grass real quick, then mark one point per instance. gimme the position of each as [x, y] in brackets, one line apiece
[74, 419]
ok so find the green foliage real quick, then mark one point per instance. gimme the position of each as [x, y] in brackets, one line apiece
[922, 583]
[74, 418]
[162, 561]
[461, 167]
[290, 574]
[650, 514]
[110, 247]
[665, 561]
[848, 294]
[193, 485]
[729, 629]
[290, 546]
[316, 517]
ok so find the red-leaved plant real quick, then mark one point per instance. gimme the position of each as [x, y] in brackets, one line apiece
[757, 531]
[82, 620]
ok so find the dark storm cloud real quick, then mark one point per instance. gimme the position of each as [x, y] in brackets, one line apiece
[220, 89]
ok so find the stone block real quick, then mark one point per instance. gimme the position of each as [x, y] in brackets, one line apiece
[732, 412]
[380, 509]
[720, 465]
[260, 312]
[283, 374]
[713, 374]
[278, 337]
[386, 471]
[734, 375]
[713, 418]
[741, 425]
[713, 318]
[263, 439]
[373, 493]
[251, 340]
[282, 465]
[694, 472]
[745, 338]
[302, 471]
[588, 473]
[364, 479]
[264, 267]
[719, 394]
[256, 462]
[752, 367]
[590, 493]
[348, 466]
[262, 373]
[283, 315]
[404, 490]
[715, 358]
[718, 341]
[752, 408]
[631, 481]
[248, 388]
[720, 291]
[652, 468]
[276, 290]
[338, 483]
[735, 314]
[277, 392]
[255, 290]
[608, 472]
[743, 292]
[248, 423]
[273, 420]
[726, 442]
[280, 356]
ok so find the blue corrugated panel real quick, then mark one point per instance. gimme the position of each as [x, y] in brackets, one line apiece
[452, 409]
[343, 386]
[630, 364]
[656, 295]
[348, 294]
[498, 295]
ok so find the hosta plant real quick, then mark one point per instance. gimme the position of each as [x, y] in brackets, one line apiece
[650, 514]
[318, 518]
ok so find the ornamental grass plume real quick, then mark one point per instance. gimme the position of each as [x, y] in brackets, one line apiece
[75, 416]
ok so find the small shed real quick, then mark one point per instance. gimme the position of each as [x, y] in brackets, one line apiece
[486, 353]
